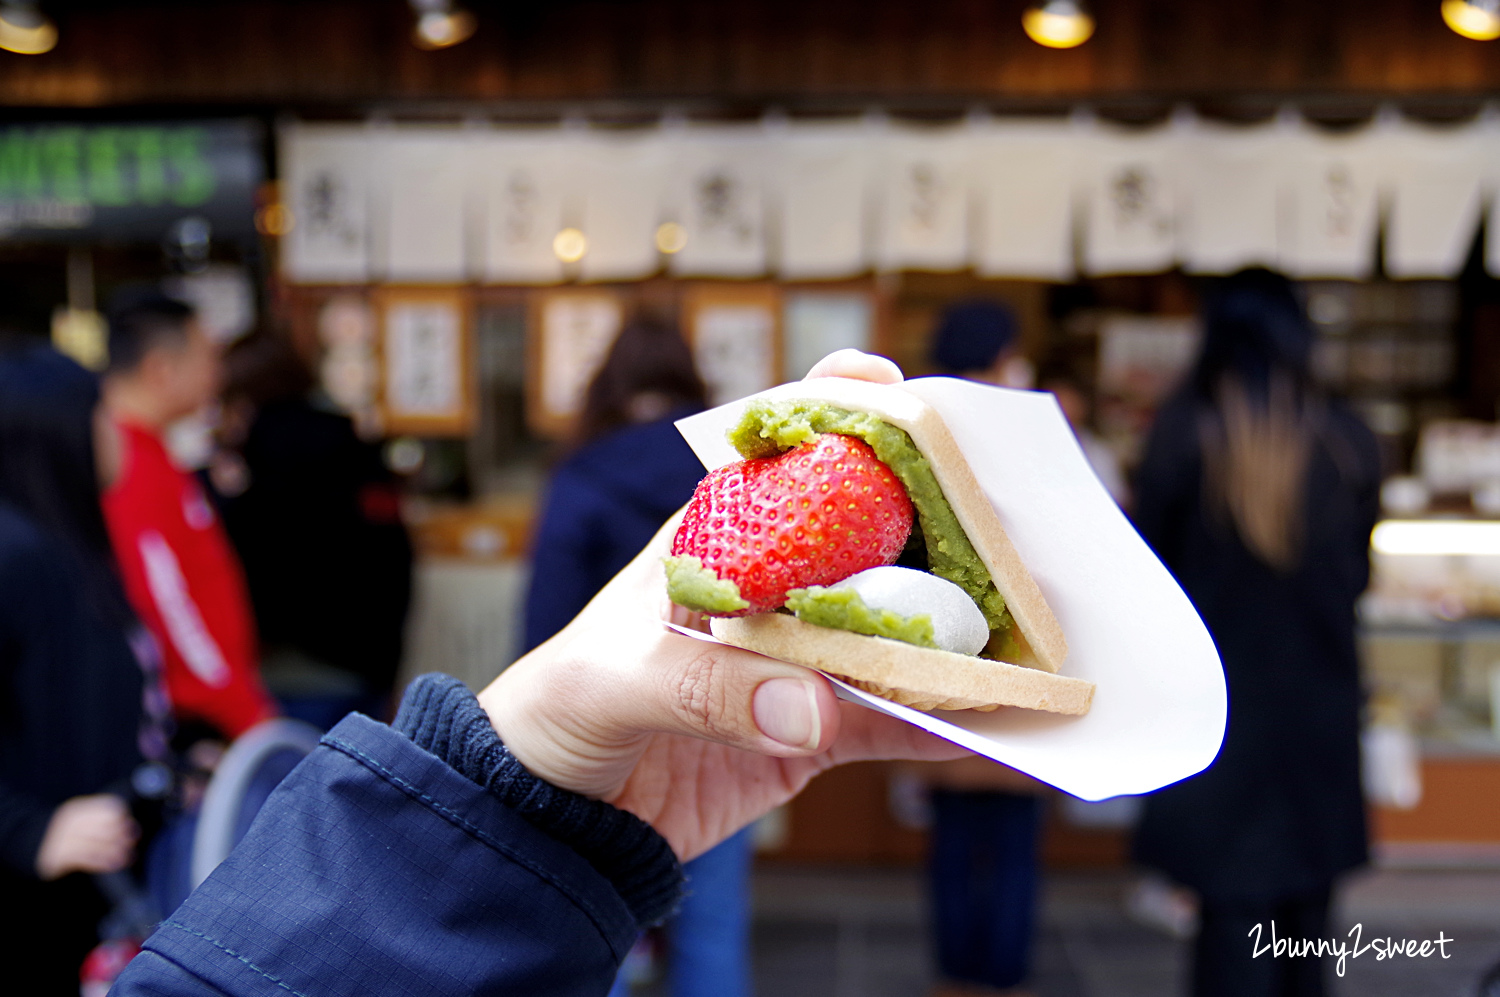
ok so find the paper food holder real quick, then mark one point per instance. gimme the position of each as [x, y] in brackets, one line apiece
[1159, 706]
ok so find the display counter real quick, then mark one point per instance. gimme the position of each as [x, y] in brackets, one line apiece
[469, 588]
[1441, 675]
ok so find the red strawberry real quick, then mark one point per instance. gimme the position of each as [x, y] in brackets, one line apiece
[813, 515]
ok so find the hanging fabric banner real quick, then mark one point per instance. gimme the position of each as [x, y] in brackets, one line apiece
[717, 194]
[822, 195]
[1433, 187]
[1332, 207]
[1013, 199]
[621, 181]
[1230, 192]
[426, 180]
[524, 187]
[924, 199]
[1023, 181]
[1128, 190]
[326, 184]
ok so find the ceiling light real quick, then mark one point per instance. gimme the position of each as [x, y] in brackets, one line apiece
[1058, 23]
[1436, 536]
[440, 24]
[569, 245]
[1476, 19]
[26, 30]
[670, 237]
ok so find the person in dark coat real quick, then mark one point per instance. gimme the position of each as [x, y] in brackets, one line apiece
[629, 472]
[315, 516]
[626, 478]
[1259, 493]
[71, 684]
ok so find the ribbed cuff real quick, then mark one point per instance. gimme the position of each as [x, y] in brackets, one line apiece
[441, 715]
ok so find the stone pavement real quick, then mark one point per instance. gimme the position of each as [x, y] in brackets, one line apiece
[862, 933]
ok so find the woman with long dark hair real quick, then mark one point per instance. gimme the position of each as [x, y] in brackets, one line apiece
[71, 684]
[1259, 493]
[630, 471]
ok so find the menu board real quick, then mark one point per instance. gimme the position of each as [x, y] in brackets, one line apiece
[571, 333]
[426, 382]
[821, 322]
[735, 333]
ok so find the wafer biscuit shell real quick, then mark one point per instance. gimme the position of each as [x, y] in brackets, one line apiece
[919, 677]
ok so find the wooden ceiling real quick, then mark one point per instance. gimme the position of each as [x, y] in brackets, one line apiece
[805, 54]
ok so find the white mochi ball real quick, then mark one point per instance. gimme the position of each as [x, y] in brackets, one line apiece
[957, 624]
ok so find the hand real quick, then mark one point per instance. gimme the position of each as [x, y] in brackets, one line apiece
[696, 739]
[87, 834]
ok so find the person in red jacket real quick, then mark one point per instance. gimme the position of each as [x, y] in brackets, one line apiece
[181, 573]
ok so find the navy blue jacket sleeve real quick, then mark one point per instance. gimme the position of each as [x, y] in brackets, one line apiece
[377, 867]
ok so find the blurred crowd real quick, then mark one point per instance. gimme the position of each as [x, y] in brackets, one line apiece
[149, 616]
[139, 602]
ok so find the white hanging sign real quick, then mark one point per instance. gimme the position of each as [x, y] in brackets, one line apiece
[1332, 207]
[1129, 194]
[1231, 182]
[823, 201]
[718, 195]
[1023, 179]
[924, 200]
[326, 184]
[524, 183]
[621, 181]
[1434, 191]
[426, 187]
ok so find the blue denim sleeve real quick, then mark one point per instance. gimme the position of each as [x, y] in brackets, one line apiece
[376, 867]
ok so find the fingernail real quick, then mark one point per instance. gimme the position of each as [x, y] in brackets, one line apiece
[786, 710]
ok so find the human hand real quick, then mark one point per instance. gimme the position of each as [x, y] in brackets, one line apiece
[87, 834]
[696, 739]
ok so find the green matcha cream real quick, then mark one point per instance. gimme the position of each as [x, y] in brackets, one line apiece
[692, 585]
[843, 609]
[768, 428]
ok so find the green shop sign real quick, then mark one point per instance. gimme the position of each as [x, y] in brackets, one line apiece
[127, 181]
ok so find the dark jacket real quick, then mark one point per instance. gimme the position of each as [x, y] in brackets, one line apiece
[427, 861]
[1280, 811]
[605, 503]
[70, 712]
[70, 692]
[319, 532]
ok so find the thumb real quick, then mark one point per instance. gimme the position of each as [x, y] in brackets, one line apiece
[736, 697]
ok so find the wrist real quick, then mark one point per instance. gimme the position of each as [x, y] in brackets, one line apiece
[564, 747]
[443, 717]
